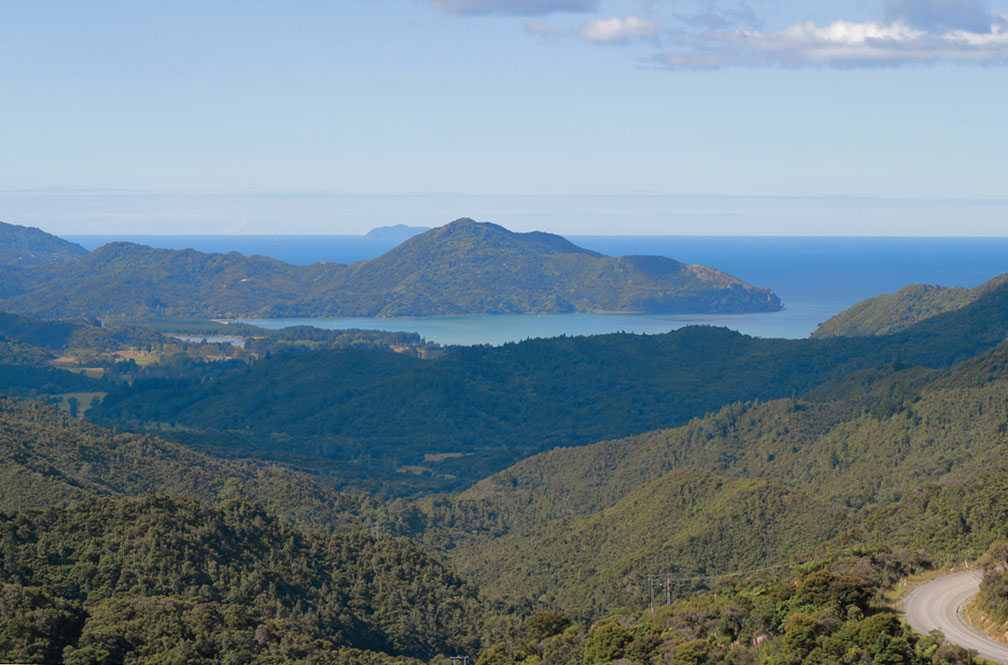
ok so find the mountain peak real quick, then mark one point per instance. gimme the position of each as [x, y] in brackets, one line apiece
[467, 234]
[469, 225]
[467, 267]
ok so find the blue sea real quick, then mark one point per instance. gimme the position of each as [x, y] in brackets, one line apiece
[815, 277]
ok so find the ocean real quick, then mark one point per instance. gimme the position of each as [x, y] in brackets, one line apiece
[815, 277]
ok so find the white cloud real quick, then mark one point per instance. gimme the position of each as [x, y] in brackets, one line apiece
[512, 7]
[721, 35]
[839, 44]
[610, 30]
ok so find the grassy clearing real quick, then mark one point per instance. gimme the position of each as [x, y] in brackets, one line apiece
[90, 372]
[83, 401]
[141, 358]
[415, 470]
[440, 457]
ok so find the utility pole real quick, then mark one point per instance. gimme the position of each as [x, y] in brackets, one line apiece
[656, 578]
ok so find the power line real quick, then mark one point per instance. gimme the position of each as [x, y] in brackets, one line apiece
[742, 572]
[669, 578]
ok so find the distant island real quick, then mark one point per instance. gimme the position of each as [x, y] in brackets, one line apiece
[465, 267]
[396, 233]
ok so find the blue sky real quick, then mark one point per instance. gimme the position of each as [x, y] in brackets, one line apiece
[881, 117]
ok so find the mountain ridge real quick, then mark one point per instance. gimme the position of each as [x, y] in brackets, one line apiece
[891, 313]
[504, 403]
[871, 466]
[31, 246]
[464, 267]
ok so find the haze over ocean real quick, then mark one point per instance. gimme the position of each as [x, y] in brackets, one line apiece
[815, 277]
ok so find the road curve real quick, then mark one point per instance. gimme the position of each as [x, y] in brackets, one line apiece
[939, 604]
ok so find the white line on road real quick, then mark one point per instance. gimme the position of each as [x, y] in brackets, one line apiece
[939, 605]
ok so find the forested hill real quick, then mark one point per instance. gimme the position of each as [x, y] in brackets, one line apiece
[904, 427]
[462, 268]
[471, 267]
[157, 579]
[887, 314]
[487, 407]
[28, 246]
[48, 458]
[124, 281]
[913, 457]
[684, 523]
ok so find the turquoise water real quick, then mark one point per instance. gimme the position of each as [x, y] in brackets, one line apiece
[815, 277]
[501, 328]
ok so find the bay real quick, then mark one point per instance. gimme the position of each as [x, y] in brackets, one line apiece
[502, 328]
[815, 277]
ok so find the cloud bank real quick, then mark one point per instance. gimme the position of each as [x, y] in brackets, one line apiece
[512, 7]
[843, 44]
[720, 35]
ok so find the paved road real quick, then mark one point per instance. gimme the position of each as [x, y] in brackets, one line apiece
[939, 604]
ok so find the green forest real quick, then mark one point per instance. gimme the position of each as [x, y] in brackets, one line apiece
[190, 491]
[157, 579]
[464, 267]
[489, 407]
[891, 313]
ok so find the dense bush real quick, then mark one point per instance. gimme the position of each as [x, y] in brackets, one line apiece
[156, 579]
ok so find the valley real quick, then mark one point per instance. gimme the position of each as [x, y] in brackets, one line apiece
[383, 499]
[504, 332]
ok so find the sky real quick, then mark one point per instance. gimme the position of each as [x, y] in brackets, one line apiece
[680, 117]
